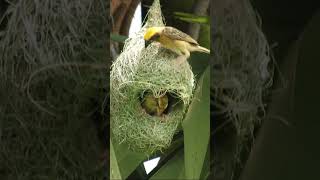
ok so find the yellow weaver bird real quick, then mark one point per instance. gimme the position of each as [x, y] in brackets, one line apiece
[174, 40]
[153, 105]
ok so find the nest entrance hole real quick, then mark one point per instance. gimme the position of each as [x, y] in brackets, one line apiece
[174, 103]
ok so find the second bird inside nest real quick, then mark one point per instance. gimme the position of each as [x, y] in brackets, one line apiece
[155, 106]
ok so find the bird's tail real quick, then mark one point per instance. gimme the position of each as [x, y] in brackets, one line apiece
[202, 49]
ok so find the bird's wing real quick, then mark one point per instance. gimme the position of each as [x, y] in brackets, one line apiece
[176, 34]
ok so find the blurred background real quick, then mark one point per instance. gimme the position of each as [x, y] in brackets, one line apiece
[53, 89]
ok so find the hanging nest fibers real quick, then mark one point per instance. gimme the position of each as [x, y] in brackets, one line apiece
[242, 73]
[138, 71]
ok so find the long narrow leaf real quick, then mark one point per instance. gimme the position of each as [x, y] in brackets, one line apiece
[128, 161]
[118, 38]
[196, 128]
[173, 169]
[192, 18]
[114, 169]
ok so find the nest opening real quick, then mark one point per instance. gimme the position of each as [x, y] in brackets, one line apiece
[174, 103]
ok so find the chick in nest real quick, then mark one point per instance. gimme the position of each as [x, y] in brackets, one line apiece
[154, 105]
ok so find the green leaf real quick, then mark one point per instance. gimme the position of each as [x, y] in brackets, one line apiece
[196, 128]
[199, 62]
[206, 166]
[128, 160]
[173, 169]
[192, 18]
[118, 38]
[204, 38]
[114, 169]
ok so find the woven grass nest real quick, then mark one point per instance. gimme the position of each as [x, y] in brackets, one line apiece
[138, 70]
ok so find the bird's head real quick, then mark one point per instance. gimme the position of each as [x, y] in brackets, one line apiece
[152, 34]
[163, 102]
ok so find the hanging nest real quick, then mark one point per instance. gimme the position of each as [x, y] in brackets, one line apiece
[137, 71]
[242, 73]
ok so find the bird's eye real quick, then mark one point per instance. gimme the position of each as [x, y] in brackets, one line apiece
[155, 37]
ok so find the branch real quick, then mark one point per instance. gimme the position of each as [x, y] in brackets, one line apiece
[199, 8]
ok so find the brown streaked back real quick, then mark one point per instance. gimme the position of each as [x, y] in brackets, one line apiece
[176, 34]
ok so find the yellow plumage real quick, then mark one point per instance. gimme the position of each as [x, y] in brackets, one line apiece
[174, 40]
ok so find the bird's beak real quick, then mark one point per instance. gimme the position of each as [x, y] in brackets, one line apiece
[147, 43]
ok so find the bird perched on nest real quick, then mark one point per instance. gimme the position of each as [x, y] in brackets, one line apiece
[153, 105]
[174, 40]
